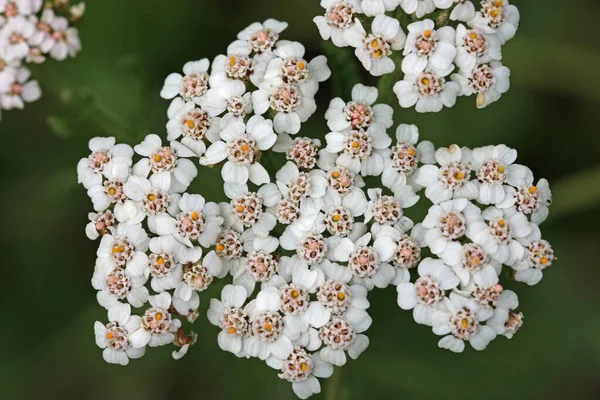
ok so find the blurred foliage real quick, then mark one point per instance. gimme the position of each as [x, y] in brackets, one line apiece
[112, 88]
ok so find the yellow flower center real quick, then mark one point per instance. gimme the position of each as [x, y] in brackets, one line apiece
[464, 323]
[544, 260]
[112, 191]
[294, 294]
[301, 66]
[118, 249]
[268, 327]
[232, 330]
[304, 367]
[220, 247]
[245, 147]
[335, 174]
[157, 158]
[190, 123]
[532, 189]
[109, 335]
[158, 316]
[341, 296]
[160, 260]
[501, 169]
[336, 218]
[240, 208]
[501, 223]
[232, 61]
[151, 197]
[425, 81]
[195, 216]
[427, 33]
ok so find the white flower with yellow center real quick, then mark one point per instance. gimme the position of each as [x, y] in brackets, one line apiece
[427, 294]
[532, 200]
[158, 326]
[302, 369]
[100, 224]
[494, 168]
[21, 90]
[450, 222]
[374, 49]
[191, 86]
[306, 188]
[252, 210]
[166, 259]
[475, 47]
[290, 67]
[401, 162]
[418, 7]
[117, 283]
[193, 221]
[451, 180]
[429, 91]
[488, 81]
[505, 320]
[497, 17]
[13, 8]
[241, 145]
[538, 256]
[387, 212]
[461, 321]
[113, 338]
[260, 265]
[228, 98]
[239, 66]
[125, 249]
[503, 235]
[107, 159]
[152, 199]
[229, 315]
[258, 39]
[168, 165]
[192, 125]
[471, 263]
[111, 194]
[429, 48]
[340, 16]
[270, 333]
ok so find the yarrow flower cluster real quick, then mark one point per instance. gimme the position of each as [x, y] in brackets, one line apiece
[301, 246]
[30, 31]
[444, 48]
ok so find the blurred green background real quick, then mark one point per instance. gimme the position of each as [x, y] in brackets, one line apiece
[111, 88]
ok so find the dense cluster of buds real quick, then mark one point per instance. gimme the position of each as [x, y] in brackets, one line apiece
[31, 31]
[301, 247]
[445, 48]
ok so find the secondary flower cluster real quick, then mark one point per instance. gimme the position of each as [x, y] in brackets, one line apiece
[31, 30]
[449, 48]
[301, 246]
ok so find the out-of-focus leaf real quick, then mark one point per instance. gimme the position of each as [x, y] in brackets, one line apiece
[344, 63]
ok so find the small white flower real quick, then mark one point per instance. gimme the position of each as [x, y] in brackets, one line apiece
[233, 320]
[475, 47]
[401, 162]
[269, 330]
[471, 263]
[452, 180]
[239, 66]
[158, 326]
[505, 320]
[462, 321]
[194, 125]
[107, 158]
[126, 249]
[14, 37]
[291, 105]
[257, 38]
[503, 235]
[193, 221]
[191, 86]
[449, 222]
[306, 188]
[418, 7]
[374, 49]
[408, 250]
[388, 211]
[428, 48]
[165, 262]
[169, 165]
[260, 265]
[21, 90]
[290, 67]
[368, 264]
[344, 334]
[427, 294]
[530, 199]
[197, 276]
[498, 17]
[61, 41]
[111, 193]
[13, 8]
[494, 167]
[229, 97]
[152, 199]
[115, 283]
[114, 337]
[429, 90]
[248, 210]
[302, 151]
[488, 81]
[359, 113]
[538, 256]
[302, 369]
[241, 145]
[340, 16]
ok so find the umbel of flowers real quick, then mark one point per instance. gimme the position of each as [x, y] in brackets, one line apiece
[30, 32]
[444, 48]
[301, 247]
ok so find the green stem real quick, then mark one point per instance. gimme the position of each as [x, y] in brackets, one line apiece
[576, 193]
[334, 387]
